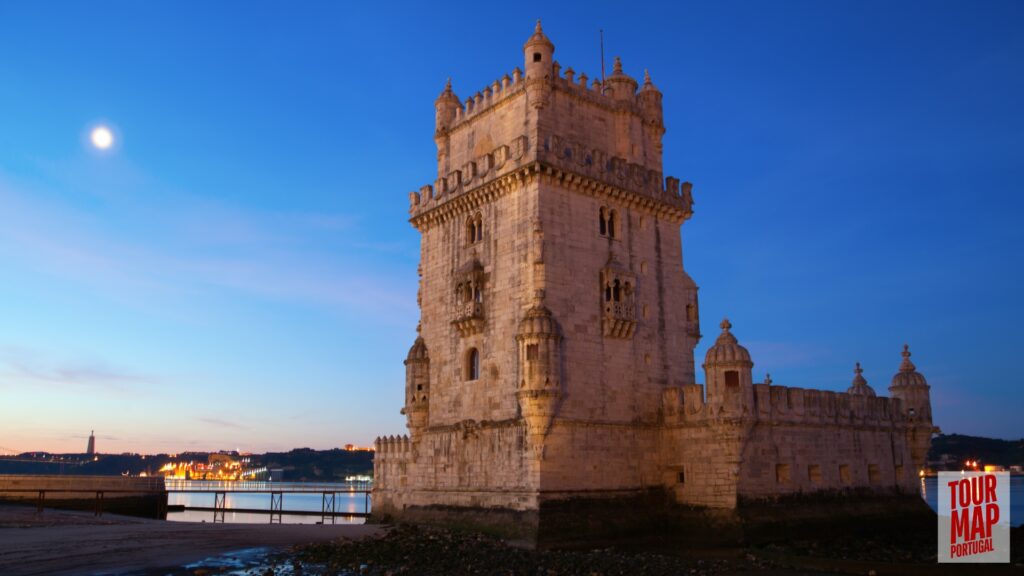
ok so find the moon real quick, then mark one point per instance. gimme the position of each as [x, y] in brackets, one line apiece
[102, 137]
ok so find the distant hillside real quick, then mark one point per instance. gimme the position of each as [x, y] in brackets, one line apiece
[301, 464]
[959, 448]
[307, 465]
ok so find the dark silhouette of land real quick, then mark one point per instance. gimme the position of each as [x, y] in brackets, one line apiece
[299, 465]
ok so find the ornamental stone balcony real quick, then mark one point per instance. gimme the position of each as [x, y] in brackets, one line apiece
[468, 318]
[619, 319]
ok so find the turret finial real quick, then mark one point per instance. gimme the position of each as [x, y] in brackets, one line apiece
[647, 77]
[537, 29]
[859, 386]
[768, 379]
[725, 325]
[617, 66]
[906, 365]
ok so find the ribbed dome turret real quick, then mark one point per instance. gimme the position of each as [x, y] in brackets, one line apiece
[860, 385]
[447, 95]
[418, 350]
[726, 348]
[648, 86]
[908, 375]
[538, 322]
[538, 39]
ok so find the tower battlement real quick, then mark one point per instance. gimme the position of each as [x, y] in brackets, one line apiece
[603, 137]
[625, 99]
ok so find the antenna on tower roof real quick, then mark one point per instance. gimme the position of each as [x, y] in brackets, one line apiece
[601, 32]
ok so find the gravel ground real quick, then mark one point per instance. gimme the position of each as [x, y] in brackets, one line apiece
[418, 551]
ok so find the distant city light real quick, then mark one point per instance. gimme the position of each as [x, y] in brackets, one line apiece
[102, 137]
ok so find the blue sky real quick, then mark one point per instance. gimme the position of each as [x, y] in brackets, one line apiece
[238, 272]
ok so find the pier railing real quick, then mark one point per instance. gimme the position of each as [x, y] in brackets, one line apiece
[329, 511]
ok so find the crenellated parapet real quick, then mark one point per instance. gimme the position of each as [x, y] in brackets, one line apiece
[588, 169]
[627, 178]
[491, 97]
[778, 405]
[391, 447]
[785, 405]
[391, 457]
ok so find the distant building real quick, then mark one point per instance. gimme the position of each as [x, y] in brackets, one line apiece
[555, 355]
[90, 449]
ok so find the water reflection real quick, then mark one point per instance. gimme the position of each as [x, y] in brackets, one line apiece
[252, 502]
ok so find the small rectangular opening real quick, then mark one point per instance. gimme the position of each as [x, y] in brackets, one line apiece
[732, 379]
[536, 56]
[899, 472]
[874, 474]
[681, 477]
[814, 474]
[782, 473]
[844, 474]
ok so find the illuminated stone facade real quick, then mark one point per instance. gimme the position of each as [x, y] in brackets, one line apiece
[555, 357]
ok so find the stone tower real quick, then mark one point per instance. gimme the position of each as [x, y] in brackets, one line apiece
[549, 214]
[554, 362]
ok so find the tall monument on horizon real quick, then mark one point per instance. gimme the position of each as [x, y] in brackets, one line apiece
[90, 449]
[554, 361]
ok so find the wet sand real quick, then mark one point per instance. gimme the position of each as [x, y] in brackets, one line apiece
[61, 542]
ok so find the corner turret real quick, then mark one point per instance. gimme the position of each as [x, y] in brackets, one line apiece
[417, 387]
[910, 386]
[727, 372]
[912, 389]
[538, 55]
[540, 388]
[620, 86]
[446, 105]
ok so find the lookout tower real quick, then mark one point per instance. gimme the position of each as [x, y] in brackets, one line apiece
[554, 361]
[549, 214]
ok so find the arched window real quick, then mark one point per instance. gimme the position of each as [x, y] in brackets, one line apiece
[603, 215]
[607, 292]
[473, 364]
[475, 228]
[616, 292]
[613, 223]
[478, 296]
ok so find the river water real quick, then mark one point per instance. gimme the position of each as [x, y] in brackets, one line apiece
[348, 497]
[348, 501]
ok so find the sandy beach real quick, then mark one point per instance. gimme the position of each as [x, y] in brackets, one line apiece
[58, 542]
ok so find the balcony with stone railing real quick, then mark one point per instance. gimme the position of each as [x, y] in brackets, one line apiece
[468, 317]
[619, 319]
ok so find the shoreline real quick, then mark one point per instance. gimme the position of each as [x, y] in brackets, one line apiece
[61, 542]
[66, 543]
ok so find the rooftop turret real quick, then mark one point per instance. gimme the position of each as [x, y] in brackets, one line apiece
[860, 387]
